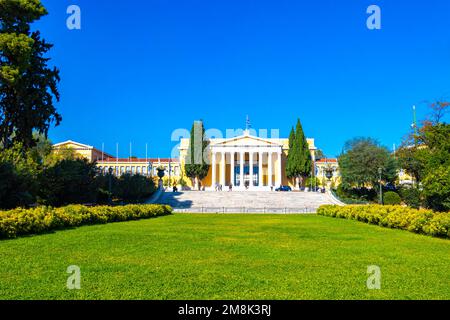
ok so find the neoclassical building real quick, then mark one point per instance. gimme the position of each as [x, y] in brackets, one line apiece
[119, 166]
[245, 161]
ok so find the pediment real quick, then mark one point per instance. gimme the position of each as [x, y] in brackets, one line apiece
[246, 140]
[72, 144]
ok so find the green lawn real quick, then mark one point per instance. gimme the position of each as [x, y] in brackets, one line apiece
[226, 257]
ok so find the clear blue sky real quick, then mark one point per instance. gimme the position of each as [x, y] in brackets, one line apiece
[137, 70]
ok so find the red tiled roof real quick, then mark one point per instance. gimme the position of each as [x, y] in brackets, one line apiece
[153, 160]
[334, 160]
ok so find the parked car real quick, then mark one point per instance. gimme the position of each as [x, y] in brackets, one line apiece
[283, 189]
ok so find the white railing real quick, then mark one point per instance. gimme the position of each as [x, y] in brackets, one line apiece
[247, 210]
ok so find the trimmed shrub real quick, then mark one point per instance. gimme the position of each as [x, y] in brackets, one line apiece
[419, 221]
[20, 222]
[391, 198]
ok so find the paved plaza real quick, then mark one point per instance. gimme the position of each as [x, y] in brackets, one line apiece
[246, 201]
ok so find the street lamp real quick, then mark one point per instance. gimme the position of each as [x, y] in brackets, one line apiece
[110, 170]
[380, 172]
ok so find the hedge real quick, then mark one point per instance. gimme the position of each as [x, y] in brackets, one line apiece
[419, 221]
[19, 222]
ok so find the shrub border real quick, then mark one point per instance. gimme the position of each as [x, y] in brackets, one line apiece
[20, 222]
[419, 221]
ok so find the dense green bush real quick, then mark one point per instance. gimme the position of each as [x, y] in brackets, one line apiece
[68, 182]
[127, 188]
[20, 222]
[134, 188]
[15, 189]
[418, 221]
[356, 195]
[411, 196]
[391, 198]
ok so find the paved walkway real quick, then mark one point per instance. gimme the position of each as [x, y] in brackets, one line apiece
[245, 202]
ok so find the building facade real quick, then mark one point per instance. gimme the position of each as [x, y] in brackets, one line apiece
[120, 166]
[246, 162]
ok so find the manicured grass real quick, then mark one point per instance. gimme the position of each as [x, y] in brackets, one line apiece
[226, 257]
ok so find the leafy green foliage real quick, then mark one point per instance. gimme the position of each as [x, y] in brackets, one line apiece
[68, 182]
[134, 188]
[411, 196]
[436, 188]
[28, 86]
[360, 162]
[391, 198]
[397, 217]
[21, 222]
[356, 195]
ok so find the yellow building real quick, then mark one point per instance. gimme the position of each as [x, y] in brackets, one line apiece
[119, 166]
[228, 159]
[245, 162]
[327, 172]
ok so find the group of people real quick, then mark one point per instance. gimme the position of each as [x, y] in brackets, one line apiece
[219, 187]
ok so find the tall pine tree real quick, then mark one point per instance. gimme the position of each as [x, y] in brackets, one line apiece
[28, 86]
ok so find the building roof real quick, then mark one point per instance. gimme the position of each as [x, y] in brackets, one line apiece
[331, 160]
[81, 145]
[134, 160]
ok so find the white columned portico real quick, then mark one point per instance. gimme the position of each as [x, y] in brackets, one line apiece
[279, 176]
[241, 170]
[222, 168]
[232, 168]
[260, 172]
[270, 166]
[214, 175]
[251, 168]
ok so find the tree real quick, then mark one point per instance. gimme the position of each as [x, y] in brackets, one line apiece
[196, 166]
[361, 160]
[68, 182]
[299, 158]
[439, 109]
[28, 86]
[319, 154]
[436, 181]
[133, 188]
[290, 158]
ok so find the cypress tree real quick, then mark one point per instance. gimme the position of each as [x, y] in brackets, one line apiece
[291, 156]
[299, 158]
[196, 167]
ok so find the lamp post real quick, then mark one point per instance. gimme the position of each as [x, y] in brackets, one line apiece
[329, 174]
[380, 172]
[110, 170]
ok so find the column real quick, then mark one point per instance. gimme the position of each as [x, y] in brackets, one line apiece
[251, 168]
[214, 176]
[242, 159]
[222, 169]
[270, 168]
[232, 168]
[260, 161]
[279, 174]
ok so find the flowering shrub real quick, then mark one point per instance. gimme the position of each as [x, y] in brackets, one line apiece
[19, 222]
[419, 221]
